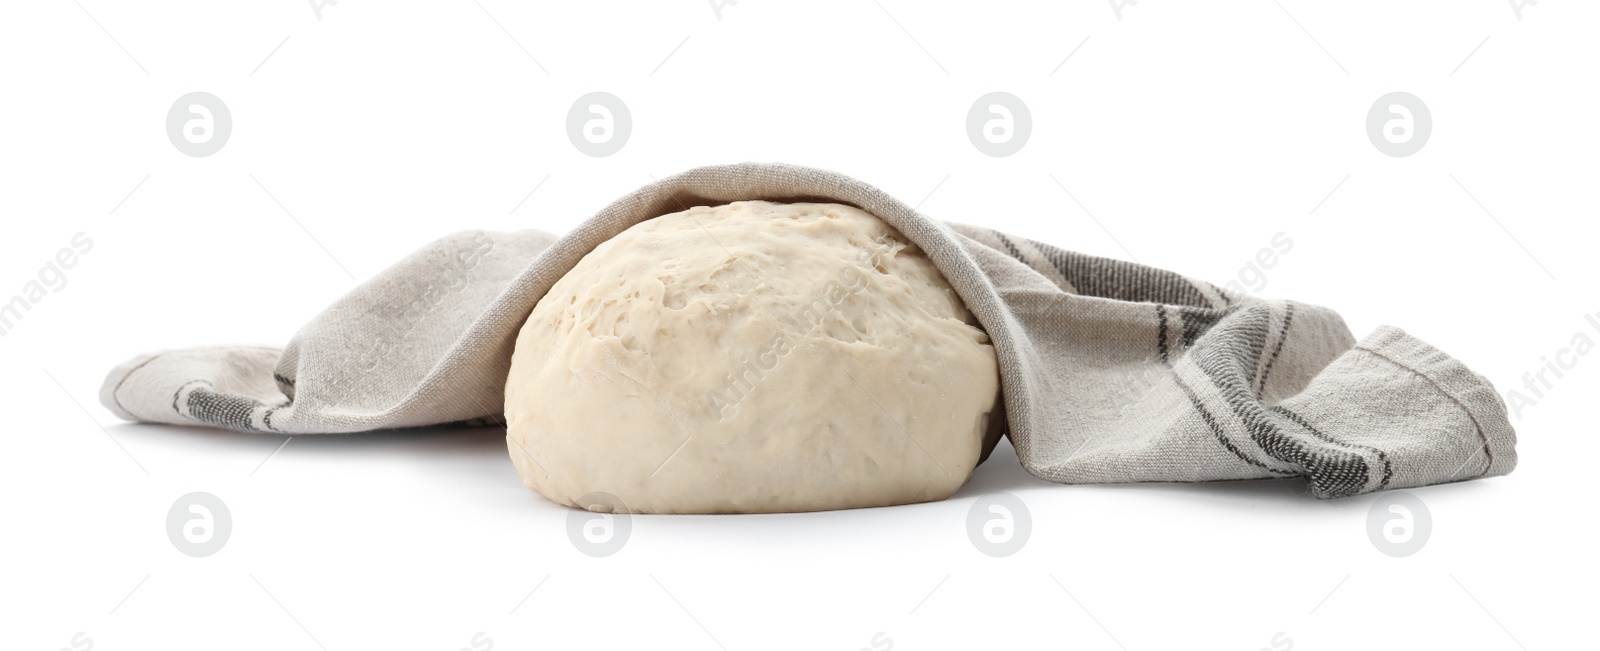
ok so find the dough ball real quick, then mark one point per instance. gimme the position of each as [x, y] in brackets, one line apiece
[748, 358]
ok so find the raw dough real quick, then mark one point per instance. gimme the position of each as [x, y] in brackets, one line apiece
[751, 357]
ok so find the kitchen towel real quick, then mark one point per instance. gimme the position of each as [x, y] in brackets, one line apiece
[1111, 371]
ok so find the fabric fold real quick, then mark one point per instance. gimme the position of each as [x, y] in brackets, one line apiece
[1111, 371]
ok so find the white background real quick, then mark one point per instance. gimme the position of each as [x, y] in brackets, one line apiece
[1190, 135]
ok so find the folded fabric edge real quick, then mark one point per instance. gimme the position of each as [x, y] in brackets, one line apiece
[117, 377]
[1472, 392]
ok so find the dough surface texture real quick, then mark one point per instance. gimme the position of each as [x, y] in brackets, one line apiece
[748, 358]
